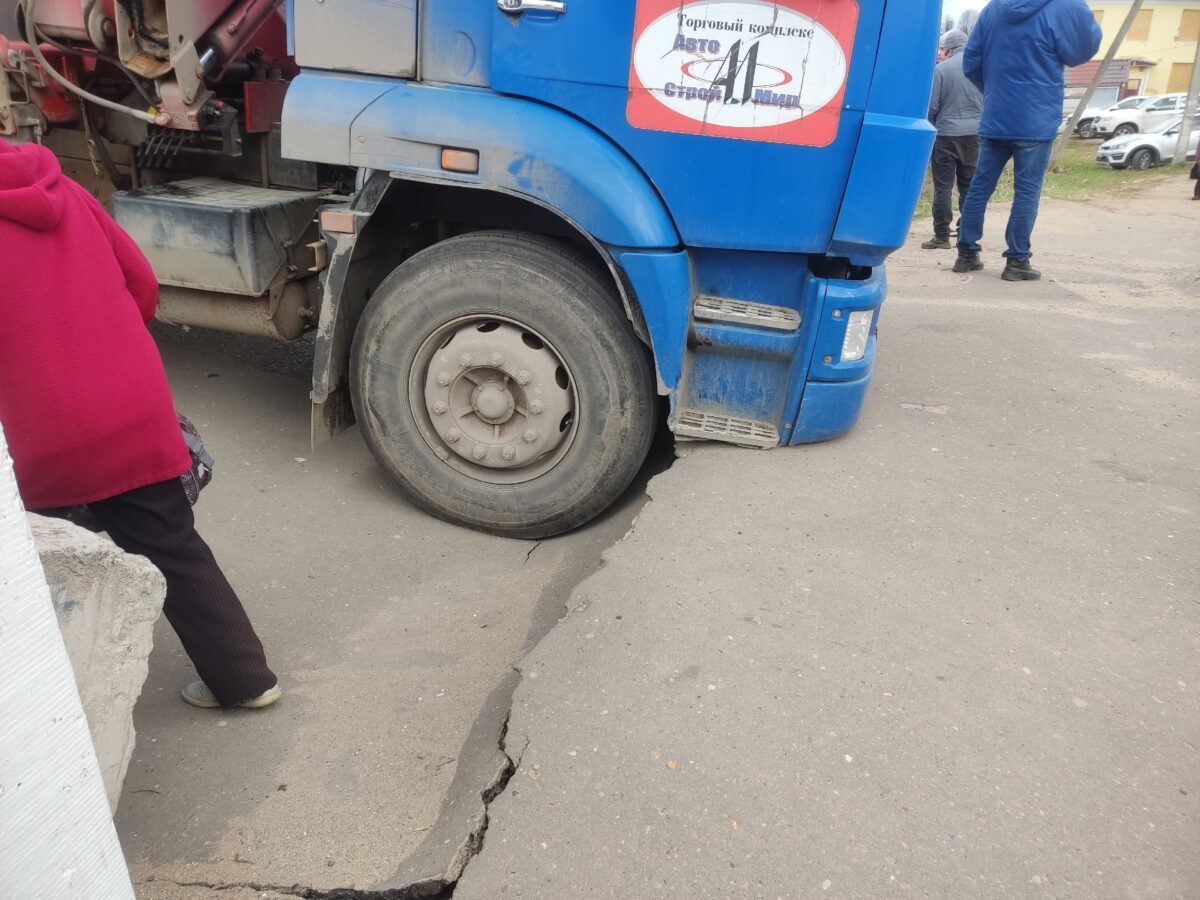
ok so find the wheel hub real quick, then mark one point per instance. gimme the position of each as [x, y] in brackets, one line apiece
[498, 399]
[493, 402]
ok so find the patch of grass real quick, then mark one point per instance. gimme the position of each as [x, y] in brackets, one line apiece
[1077, 176]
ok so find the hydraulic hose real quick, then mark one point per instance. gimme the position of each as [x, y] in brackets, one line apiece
[95, 54]
[156, 118]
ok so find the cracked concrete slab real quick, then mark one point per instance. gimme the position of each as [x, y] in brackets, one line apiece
[394, 636]
[953, 654]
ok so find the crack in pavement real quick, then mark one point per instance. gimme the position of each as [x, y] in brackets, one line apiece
[308, 893]
[461, 827]
[559, 594]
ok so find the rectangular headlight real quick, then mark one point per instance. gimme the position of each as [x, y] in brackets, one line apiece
[858, 329]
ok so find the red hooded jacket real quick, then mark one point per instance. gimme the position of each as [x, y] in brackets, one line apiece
[83, 396]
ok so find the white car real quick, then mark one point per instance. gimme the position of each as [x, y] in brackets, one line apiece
[1153, 148]
[1123, 122]
[1087, 122]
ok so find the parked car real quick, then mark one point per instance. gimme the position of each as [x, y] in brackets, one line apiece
[1152, 148]
[1087, 122]
[1122, 122]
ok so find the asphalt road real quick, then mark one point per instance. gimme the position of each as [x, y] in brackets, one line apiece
[394, 635]
[953, 654]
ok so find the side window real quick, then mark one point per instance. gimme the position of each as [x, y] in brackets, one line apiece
[1189, 26]
[1140, 31]
[1161, 105]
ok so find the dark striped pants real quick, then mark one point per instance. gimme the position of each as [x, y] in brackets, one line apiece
[156, 522]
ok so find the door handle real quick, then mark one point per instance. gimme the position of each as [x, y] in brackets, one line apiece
[517, 7]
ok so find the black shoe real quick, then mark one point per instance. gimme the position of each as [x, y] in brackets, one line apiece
[1020, 270]
[937, 243]
[968, 261]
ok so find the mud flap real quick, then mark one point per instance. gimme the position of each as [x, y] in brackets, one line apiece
[343, 296]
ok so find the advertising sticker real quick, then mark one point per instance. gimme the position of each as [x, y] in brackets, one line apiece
[759, 70]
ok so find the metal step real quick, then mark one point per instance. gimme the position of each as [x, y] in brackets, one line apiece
[722, 309]
[707, 426]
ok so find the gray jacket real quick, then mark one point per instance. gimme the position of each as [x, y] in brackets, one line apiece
[956, 104]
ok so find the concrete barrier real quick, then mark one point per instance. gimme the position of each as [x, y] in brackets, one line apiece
[57, 840]
[107, 603]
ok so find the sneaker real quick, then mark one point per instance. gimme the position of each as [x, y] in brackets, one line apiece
[1020, 270]
[937, 243]
[968, 261]
[198, 694]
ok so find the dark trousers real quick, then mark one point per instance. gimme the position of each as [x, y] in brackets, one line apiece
[953, 162]
[1029, 159]
[156, 522]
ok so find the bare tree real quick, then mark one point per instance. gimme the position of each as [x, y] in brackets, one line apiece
[966, 22]
[947, 23]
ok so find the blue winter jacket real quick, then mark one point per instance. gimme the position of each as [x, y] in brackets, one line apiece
[1016, 56]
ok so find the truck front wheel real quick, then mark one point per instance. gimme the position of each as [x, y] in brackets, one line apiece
[496, 379]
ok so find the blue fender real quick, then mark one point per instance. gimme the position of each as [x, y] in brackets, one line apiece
[524, 148]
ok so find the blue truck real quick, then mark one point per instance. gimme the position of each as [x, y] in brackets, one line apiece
[519, 232]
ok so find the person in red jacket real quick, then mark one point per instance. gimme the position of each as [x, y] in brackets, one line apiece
[88, 413]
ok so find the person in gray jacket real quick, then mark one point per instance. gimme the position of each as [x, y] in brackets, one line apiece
[954, 110]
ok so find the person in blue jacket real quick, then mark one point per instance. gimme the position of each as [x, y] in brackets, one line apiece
[1016, 55]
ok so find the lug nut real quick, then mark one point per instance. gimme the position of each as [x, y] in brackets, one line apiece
[479, 451]
[453, 435]
[440, 408]
[530, 436]
[523, 377]
[508, 453]
[536, 407]
[465, 360]
[495, 360]
[444, 378]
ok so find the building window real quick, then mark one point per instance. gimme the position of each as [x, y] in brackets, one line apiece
[1141, 26]
[1181, 77]
[1189, 26]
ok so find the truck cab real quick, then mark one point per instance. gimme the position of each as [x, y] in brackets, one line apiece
[523, 230]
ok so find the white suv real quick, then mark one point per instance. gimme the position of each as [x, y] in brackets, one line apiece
[1087, 122]
[1122, 122]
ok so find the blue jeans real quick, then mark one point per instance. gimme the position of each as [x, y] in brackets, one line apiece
[1030, 159]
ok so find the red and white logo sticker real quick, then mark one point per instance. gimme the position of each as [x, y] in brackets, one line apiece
[760, 70]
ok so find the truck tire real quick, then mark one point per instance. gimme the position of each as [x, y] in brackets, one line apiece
[497, 380]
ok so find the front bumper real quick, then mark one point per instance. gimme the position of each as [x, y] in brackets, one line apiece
[835, 390]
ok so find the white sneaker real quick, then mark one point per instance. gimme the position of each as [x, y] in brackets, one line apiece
[198, 694]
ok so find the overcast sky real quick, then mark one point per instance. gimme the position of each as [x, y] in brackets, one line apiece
[954, 7]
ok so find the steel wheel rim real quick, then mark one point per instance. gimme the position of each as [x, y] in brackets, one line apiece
[494, 399]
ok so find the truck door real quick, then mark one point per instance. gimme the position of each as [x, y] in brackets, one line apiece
[744, 113]
[379, 37]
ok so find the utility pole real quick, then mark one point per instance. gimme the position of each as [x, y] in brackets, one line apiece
[1189, 112]
[1134, 9]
